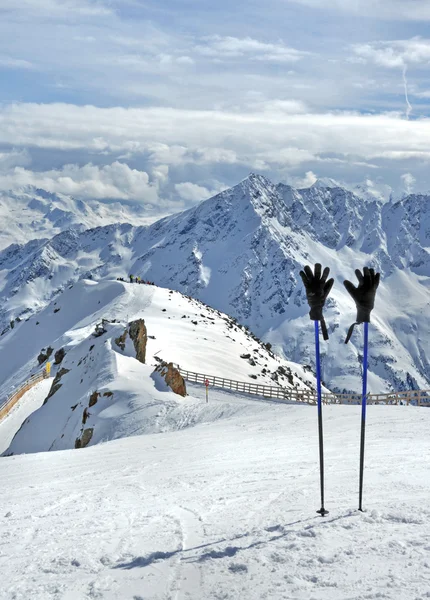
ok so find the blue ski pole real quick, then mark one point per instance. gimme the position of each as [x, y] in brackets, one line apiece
[322, 511]
[363, 412]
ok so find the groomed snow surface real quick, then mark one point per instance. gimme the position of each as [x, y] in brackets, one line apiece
[225, 510]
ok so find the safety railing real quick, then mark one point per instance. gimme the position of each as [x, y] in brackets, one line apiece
[12, 399]
[282, 394]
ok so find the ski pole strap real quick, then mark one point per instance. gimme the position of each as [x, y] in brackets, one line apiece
[350, 330]
[324, 328]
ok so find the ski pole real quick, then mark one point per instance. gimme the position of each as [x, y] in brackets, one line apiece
[363, 412]
[322, 511]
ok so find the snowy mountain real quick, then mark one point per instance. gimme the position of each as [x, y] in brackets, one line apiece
[35, 214]
[241, 253]
[99, 384]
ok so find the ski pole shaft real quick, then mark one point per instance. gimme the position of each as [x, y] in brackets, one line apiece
[322, 511]
[363, 413]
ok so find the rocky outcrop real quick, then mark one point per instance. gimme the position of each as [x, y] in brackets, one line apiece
[139, 336]
[56, 383]
[137, 332]
[93, 398]
[120, 341]
[85, 439]
[173, 378]
[44, 355]
[59, 355]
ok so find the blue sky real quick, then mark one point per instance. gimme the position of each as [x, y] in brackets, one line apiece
[167, 102]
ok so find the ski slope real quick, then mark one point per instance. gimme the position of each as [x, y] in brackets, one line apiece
[225, 510]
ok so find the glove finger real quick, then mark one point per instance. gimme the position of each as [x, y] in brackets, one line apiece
[376, 282]
[318, 271]
[366, 275]
[328, 286]
[304, 278]
[325, 275]
[309, 273]
[350, 287]
[359, 276]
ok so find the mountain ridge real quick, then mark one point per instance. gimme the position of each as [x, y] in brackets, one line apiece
[241, 252]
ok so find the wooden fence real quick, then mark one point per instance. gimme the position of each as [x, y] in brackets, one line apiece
[281, 394]
[13, 398]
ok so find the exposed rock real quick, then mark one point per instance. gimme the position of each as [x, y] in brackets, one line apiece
[138, 333]
[173, 378]
[93, 398]
[56, 383]
[85, 415]
[108, 394]
[85, 439]
[44, 355]
[59, 355]
[120, 341]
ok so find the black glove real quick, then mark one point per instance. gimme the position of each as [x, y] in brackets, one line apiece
[317, 290]
[363, 296]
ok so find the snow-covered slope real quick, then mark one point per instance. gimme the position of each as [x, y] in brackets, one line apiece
[241, 252]
[101, 384]
[225, 510]
[36, 214]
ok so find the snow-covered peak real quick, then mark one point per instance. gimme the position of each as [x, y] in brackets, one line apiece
[325, 182]
[241, 252]
[35, 213]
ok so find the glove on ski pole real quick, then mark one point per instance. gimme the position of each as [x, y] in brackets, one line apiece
[317, 289]
[363, 296]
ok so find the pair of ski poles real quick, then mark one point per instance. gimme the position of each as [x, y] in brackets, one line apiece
[318, 288]
[322, 511]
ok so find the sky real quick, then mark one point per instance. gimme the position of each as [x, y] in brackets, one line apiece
[167, 102]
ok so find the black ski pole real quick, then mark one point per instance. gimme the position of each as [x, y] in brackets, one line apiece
[322, 511]
[363, 413]
[317, 289]
[364, 298]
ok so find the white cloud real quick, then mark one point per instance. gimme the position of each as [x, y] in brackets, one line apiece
[408, 182]
[192, 192]
[115, 181]
[54, 8]
[14, 158]
[15, 63]
[303, 182]
[387, 9]
[174, 136]
[228, 47]
[395, 54]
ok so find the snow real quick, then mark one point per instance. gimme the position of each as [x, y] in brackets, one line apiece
[35, 213]
[225, 510]
[241, 253]
[129, 398]
[26, 405]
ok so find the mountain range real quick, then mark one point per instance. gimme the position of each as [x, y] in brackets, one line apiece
[241, 252]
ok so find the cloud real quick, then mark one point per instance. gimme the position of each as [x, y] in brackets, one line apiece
[192, 192]
[115, 181]
[55, 8]
[303, 182]
[414, 10]
[14, 158]
[408, 182]
[8, 62]
[395, 54]
[176, 136]
[225, 48]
